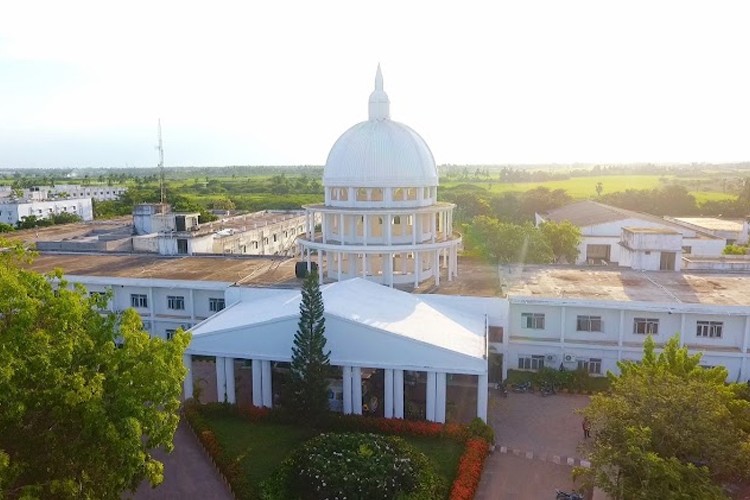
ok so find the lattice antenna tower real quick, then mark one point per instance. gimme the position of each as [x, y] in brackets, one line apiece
[162, 188]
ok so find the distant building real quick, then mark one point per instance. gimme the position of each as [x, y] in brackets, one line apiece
[612, 235]
[98, 193]
[15, 206]
[268, 232]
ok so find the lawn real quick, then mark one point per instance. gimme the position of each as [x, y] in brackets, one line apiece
[260, 447]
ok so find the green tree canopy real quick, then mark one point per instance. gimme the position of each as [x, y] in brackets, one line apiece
[503, 243]
[310, 363]
[668, 429]
[563, 238]
[84, 395]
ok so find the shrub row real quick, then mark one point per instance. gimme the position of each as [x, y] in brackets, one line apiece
[477, 438]
[470, 467]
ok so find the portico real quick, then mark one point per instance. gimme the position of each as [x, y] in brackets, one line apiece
[382, 330]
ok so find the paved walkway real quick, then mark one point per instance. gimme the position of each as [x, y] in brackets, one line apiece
[188, 473]
[536, 441]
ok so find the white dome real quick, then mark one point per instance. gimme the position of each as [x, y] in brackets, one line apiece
[380, 152]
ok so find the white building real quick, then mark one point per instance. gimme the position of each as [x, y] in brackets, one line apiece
[14, 210]
[604, 241]
[268, 232]
[381, 222]
[98, 193]
[381, 219]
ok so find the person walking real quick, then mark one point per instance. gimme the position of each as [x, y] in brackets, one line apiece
[586, 424]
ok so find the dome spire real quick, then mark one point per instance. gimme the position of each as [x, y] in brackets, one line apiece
[379, 105]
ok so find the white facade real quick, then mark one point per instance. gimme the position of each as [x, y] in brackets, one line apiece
[164, 305]
[98, 193]
[596, 334]
[13, 211]
[381, 219]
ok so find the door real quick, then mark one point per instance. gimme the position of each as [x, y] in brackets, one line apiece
[667, 261]
[595, 254]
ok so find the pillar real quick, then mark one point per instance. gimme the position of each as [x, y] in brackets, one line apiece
[257, 379]
[265, 381]
[431, 386]
[346, 373]
[388, 394]
[482, 396]
[320, 267]
[398, 393]
[356, 390]
[221, 380]
[440, 396]
[187, 384]
[229, 377]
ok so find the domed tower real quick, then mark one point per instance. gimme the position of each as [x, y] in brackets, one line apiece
[381, 219]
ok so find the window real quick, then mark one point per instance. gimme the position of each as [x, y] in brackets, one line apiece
[138, 300]
[709, 329]
[533, 362]
[687, 250]
[170, 333]
[176, 302]
[592, 365]
[589, 324]
[646, 326]
[216, 305]
[495, 333]
[535, 321]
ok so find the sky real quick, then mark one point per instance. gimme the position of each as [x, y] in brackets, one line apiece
[83, 84]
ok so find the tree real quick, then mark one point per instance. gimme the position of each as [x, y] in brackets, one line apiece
[668, 429]
[84, 395]
[563, 238]
[503, 243]
[310, 366]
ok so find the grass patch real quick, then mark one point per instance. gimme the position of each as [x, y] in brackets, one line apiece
[260, 447]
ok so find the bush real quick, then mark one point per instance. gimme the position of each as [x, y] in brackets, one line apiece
[337, 466]
[470, 470]
[479, 430]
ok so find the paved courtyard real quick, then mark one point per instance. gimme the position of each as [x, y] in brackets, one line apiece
[187, 473]
[536, 439]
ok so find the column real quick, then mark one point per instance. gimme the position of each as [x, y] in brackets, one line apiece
[398, 393]
[221, 380]
[431, 386]
[320, 267]
[229, 377]
[414, 228]
[388, 394]
[682, 329]
[436, 267]
[341, 228]
[324, 226]
[187, 384]
[482, 396]
[389, 230]
[257, 381]
[307, 259]
[266, 388]
[417, 267]
[364, 265]
[338, 266]
[346, 373]
[440, 396]
[620, 335]
[365, 233]
[356, 390]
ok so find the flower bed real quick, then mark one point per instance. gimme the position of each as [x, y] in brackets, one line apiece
[476, 438]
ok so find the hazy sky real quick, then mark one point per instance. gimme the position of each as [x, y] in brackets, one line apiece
[276, 82]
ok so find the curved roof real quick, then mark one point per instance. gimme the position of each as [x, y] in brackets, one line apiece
[380, 152]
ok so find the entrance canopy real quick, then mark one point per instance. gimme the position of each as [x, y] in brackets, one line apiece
[367, 325]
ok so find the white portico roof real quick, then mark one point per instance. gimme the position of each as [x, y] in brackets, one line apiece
[367, 325]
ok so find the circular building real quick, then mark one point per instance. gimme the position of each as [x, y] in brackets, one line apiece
[381, 219]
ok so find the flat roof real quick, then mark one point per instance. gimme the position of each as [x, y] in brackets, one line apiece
[712, 223]
[259, 271]
[627, 285]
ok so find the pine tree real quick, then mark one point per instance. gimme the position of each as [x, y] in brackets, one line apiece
[310, 363]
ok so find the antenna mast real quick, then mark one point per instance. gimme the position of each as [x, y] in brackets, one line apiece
[162, 190]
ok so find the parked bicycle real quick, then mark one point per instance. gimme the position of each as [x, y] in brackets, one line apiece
[523, 387]
[547, 389]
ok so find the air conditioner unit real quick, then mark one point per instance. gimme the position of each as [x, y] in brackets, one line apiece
[550, 358]
[569, 358]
